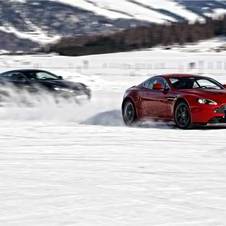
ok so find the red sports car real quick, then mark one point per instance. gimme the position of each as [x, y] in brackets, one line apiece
[187, 100]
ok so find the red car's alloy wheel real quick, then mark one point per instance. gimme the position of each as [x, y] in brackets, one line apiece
[129, 113]
[182, 116]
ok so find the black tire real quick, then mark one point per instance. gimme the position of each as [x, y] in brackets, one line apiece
[182, 116]
[129, 113]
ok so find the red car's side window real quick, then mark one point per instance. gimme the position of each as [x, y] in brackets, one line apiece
[148, 84]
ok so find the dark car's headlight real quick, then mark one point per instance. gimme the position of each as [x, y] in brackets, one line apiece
[206, 101]
[63, 89]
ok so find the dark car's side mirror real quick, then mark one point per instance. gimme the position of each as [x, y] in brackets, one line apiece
[60, 77]
[158, 86]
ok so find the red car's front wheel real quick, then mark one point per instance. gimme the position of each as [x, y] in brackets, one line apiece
[182, 116]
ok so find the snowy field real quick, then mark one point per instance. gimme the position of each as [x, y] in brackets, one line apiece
[79, 165]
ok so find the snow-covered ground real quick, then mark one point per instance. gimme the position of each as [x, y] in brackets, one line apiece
[79, 165]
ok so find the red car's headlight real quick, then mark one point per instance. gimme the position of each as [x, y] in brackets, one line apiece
[206, 101]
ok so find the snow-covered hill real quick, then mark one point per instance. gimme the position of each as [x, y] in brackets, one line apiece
[43, 21]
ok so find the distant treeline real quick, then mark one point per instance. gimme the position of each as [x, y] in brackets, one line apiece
[140, 37]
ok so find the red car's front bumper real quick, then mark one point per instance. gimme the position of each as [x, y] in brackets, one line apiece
[207, 114]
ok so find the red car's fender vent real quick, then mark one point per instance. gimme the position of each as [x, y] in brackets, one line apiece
[221, 110]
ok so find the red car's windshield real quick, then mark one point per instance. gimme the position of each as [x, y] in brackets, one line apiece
[194, 83]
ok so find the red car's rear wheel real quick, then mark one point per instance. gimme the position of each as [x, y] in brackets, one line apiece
[182, 116]
[129, 113]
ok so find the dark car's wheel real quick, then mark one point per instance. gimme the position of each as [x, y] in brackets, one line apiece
[129, 113]
[182, 116]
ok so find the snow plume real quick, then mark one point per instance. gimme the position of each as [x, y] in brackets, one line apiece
[107, 118]
[22, 105]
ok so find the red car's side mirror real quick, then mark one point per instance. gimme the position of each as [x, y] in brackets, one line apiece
[158, 86]
[224, 86]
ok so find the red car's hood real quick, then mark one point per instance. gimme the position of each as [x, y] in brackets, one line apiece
[217, 95]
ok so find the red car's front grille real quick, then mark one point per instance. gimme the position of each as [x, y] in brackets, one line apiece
[221, 110]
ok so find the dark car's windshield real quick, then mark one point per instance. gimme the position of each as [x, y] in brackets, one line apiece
[194, 83]
[40, 75]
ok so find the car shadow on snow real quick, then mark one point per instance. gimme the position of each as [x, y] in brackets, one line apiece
[114, 118]
[209, 127]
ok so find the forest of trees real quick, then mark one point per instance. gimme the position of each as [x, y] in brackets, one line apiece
[140, 37]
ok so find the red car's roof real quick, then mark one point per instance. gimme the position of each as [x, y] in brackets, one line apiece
[179, 75]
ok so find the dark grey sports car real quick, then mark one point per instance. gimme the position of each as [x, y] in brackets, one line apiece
[38, 81]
